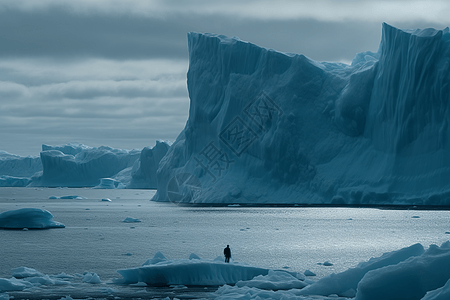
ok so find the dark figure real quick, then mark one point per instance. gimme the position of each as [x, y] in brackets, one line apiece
[227, 253]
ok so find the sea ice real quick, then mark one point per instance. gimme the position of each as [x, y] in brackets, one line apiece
[23, 272]
[13, 284]
[92, 278]
[275, 280]
[409, 273]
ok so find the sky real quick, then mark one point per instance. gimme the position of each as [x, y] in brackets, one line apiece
[113, 72]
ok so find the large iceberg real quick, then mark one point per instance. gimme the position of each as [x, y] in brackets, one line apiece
[271, 127]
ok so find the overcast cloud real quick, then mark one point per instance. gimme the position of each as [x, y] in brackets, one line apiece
[114, 72]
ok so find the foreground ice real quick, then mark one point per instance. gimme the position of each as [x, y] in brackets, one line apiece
[30, 218]
[271, 127]
[194, 271]
[411, 273]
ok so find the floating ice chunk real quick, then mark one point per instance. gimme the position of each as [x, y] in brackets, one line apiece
[309, 273]
[13, 284]
[23, 272]
[89, 277]
[159, 257]
[194, 256]
[108, 183]
[33, 218]
[40, 280]
[275, 280]
[190, 272]
[131, 220]
[68, 197]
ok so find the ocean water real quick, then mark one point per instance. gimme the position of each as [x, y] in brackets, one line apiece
[293, 238]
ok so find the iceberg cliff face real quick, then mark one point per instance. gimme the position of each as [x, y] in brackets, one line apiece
[270, 127]
[143, 173]
[20, 166]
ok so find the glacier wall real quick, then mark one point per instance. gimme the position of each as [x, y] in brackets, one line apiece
[271, 127]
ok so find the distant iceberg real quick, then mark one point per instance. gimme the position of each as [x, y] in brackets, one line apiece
[78, 165]
[16, 171]
[271, 127]
[84, 167]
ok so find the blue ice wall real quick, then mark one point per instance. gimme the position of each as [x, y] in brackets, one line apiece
[271, 127]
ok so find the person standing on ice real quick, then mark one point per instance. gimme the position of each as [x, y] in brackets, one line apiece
[227, 253]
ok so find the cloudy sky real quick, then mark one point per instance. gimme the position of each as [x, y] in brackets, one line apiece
[113, 72]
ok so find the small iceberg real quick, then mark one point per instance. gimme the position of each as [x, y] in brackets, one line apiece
[131, 220]
[31, 218]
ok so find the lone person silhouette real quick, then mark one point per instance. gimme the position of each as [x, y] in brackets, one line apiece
[227, 253]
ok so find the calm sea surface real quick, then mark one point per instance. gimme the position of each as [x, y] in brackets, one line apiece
[297, 239]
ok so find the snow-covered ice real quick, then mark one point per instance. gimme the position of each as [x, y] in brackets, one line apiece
[410, 279]
[30, 218]
[271, 127]
[345, 283]
[192, 271]
[275, 280]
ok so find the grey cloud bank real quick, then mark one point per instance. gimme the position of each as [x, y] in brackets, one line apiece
[110, 73]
